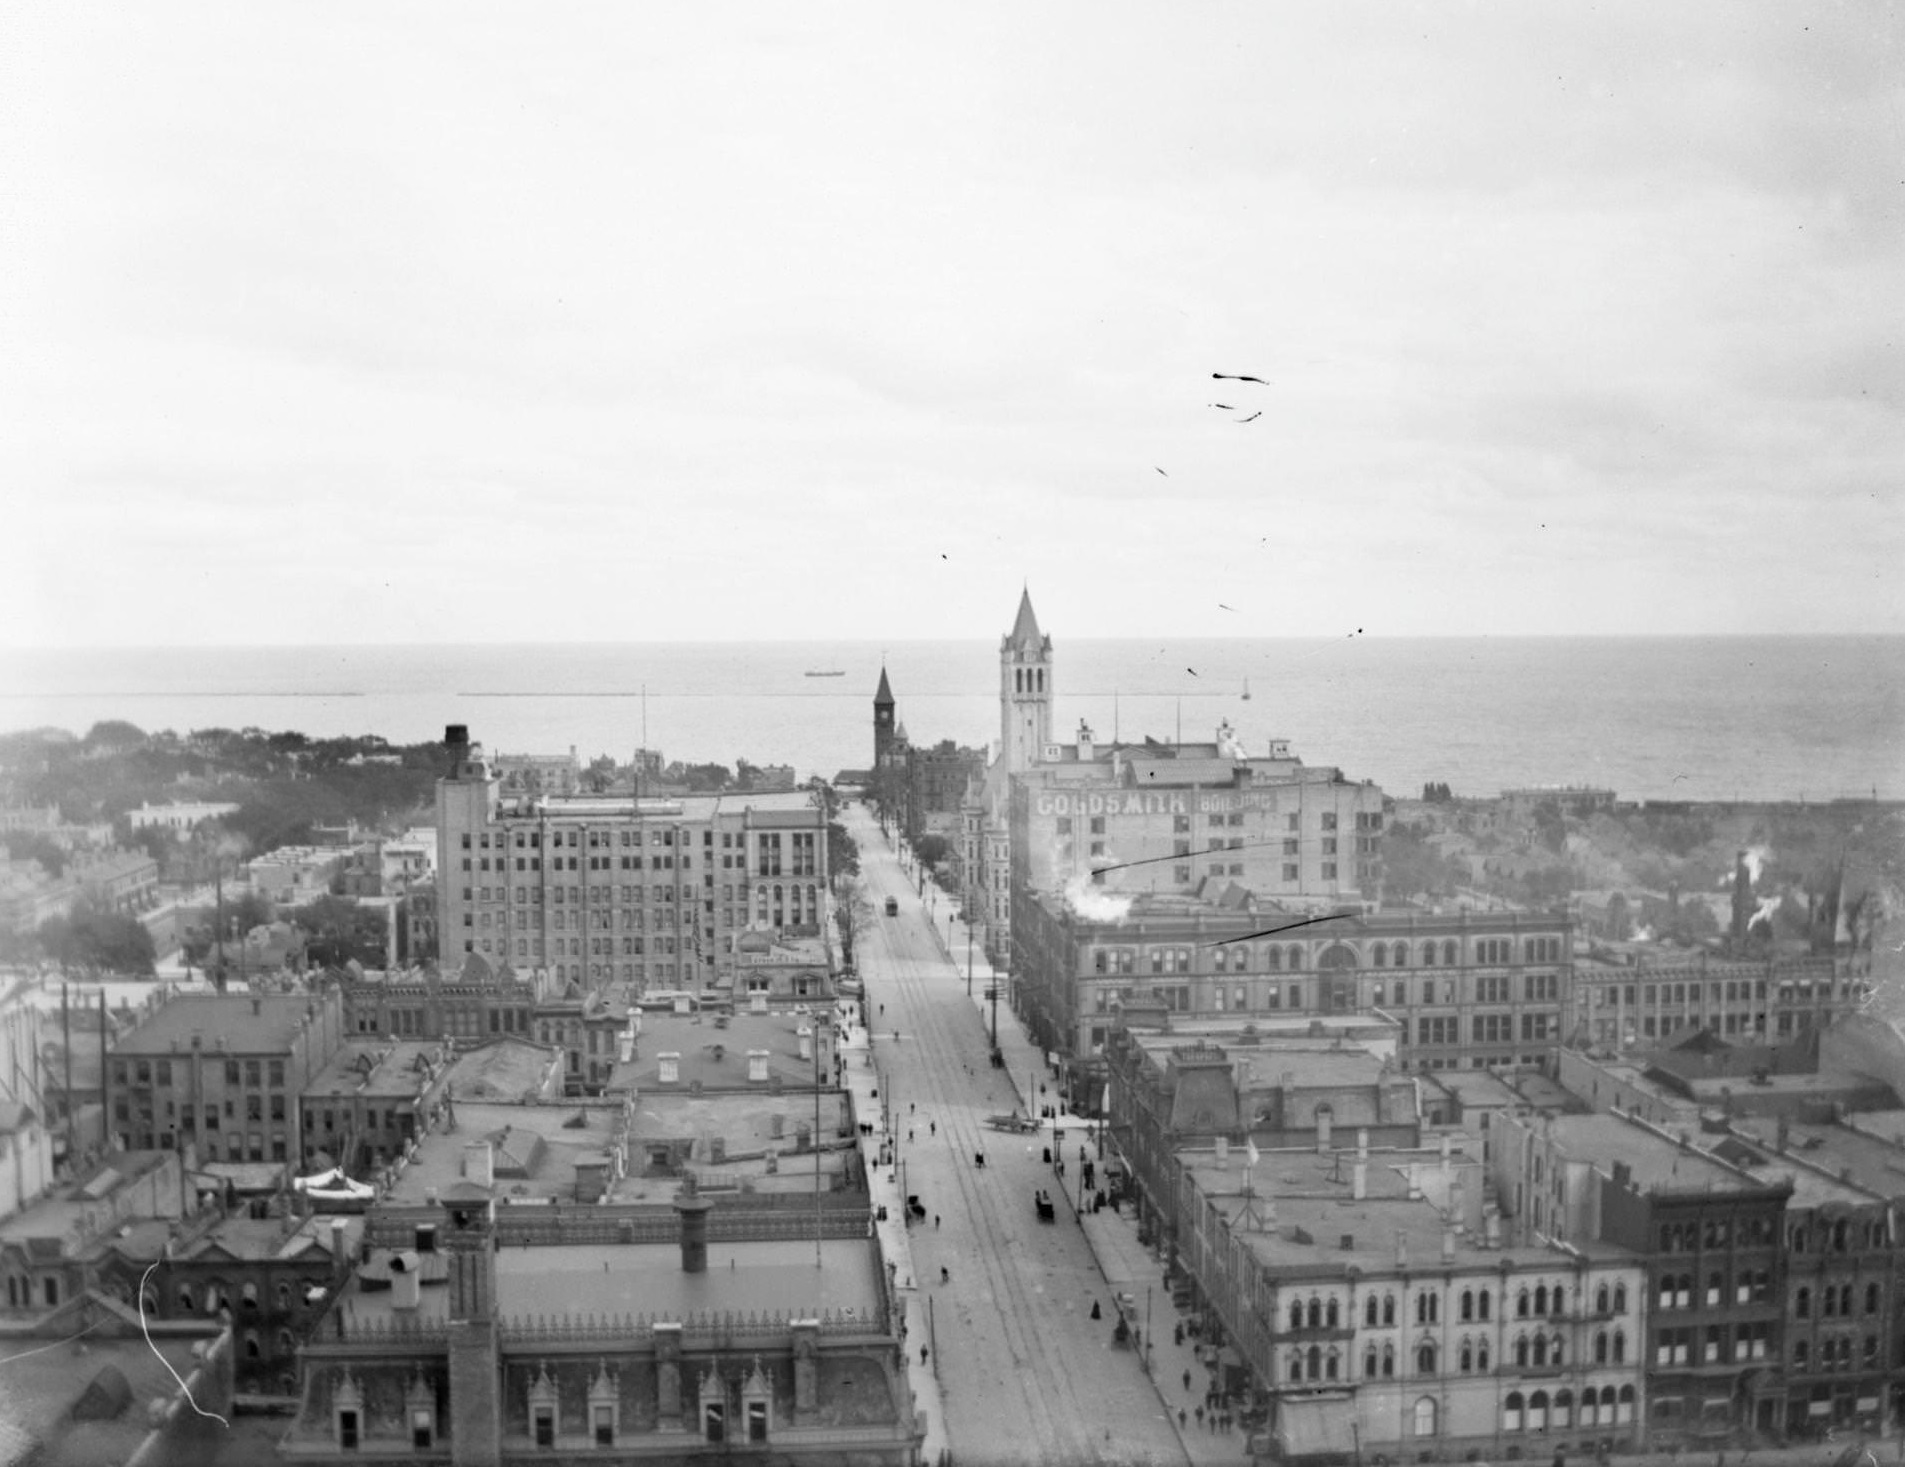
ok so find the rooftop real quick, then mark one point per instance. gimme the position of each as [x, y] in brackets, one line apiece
[1874, 1162]
[506, 1068]
[574, 1280]
[235, 1023]
[1302, 1065]
[90, 1362]
[1655, 1163]
[1320, 1225]
[379, 1068]
[76, 1210]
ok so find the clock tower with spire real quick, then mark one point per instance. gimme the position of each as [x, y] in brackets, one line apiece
[1025, 691]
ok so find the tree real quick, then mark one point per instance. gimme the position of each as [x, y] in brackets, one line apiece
[1413, 867]
[707, 777]
[114, 733]
[843, 851]
[94, 941]
[932, 849]
[29, 845]
[338, 931]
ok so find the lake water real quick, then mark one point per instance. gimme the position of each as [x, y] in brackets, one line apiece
[1702, 718]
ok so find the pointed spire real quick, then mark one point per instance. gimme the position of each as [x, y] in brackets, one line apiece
[1025, 626]
[883, 698]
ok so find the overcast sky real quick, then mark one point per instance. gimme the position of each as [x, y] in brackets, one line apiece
[548, 323]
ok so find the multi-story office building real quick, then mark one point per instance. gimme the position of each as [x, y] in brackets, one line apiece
[1711, 1233]
[223, 1073]
[1630, 996]
[598, 889]
[1175, 1095]
[1166, 818]
[1380, 1315]
[1482, 990]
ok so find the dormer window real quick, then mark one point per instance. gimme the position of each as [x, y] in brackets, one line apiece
[757, 1064]
[604, 1409]
[542, 1409]
[670, 1067]
[347, 1414]
[420, 1405]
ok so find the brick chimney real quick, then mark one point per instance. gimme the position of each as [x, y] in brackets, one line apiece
[692, 1208]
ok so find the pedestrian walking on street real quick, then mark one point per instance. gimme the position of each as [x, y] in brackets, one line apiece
[935, 1220]
[944, 1276]
[1177, 1338]
[1187, 1374]
[1181, 1418]
[922, 1354]
[1094, 1310]
[932, 1128]
[1200, 1415]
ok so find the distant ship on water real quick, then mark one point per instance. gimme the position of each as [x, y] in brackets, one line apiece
[828, 672]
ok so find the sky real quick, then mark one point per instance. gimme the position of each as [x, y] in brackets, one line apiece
[473, 323]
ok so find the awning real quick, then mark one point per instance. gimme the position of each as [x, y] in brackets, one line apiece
[1314, 1426]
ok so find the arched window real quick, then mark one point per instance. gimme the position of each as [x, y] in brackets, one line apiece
[1871, 1298]
[1296, 1314]
[1481, 1305]
[1600, 1347]
[284, 1297]
[1428, 955]
[1512, 1410]
[1425, 1358]
[1521, 1351]
[1332, 1365]
[1481, 1355]
[1425, 1416]
[1600, 1300]
[1541, 1349]
[1379, 955]
[1316, 1313]
[1273, 959]
[1465, 1359]
[1316, 1362]
[1369, 1310]
[1620, 1346]
[1626, 1413]
[1521, 1305]
[1555, 1349]
[1538, 1411]
[1468, 1305]
[1802, 1304]
[1541, 1299]
[249, 1297]
[1558, 1300]
[1296, 1365]
[1369, 1363]
[1296, 958]
[1620, 1298]
[1388, 1362]
[1332, 1316]
[1800, 1353]
[1388, 1308]
[1587, 1407]
[252, 1350]
[1563, 1410]
[1828, 1298]
[1845, 1301]
[1428, 1308]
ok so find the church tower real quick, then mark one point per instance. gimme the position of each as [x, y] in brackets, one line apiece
[1025, 691]
[882, 725]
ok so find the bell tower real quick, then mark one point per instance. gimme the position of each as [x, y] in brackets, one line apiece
[882, 724]
[1025, 691]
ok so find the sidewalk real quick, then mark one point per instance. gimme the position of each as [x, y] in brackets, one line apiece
[863, 1081]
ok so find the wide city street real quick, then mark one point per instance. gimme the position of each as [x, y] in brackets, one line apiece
[1026, 1374]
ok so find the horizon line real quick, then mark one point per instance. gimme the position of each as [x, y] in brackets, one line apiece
[10, 649]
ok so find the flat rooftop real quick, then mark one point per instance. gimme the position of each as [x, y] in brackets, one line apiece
[1656, 1163]
[1317, 1215]
[1875, 1163]
[39, 1387]
[244, 1023]
[574, 1280]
